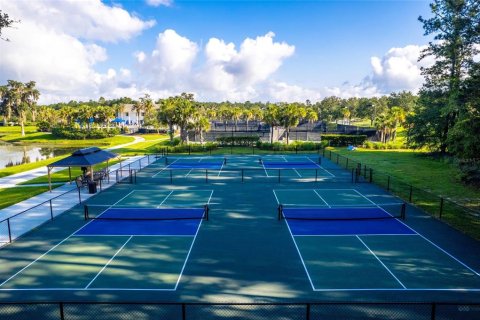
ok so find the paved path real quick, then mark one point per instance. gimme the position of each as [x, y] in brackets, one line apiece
[14, 179]
[59, 203]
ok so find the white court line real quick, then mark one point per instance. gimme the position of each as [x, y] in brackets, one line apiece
[354, 235]
[266, 173]
[189, 251]
[403, 290]
[167, 167]
[331, 174]
[376, 257]
[221, 168]
[426, 239]
[321, 198]
[296, 246]
[211, 194]
[111, 259]
[168, 195]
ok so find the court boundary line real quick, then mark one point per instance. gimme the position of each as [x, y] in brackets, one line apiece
[321, 198]
[429, 241]
[380, 289]
[73, 234]
[166, 167]
[381, 262]
[108, 262]
[191, 246]
[298, 250]
[331, 174]
[166, 197]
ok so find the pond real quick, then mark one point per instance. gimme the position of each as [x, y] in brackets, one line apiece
[12, 155]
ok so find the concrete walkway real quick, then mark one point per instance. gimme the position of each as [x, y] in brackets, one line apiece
[14, 179]
[51, 204]
[40, 208]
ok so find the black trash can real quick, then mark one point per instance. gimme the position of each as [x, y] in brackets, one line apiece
[92, 187]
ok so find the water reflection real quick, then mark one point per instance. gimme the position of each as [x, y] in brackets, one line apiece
[12, 155]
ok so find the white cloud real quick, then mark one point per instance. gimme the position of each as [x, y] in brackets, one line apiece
[157, 3]
[398, 69]
[54, 45]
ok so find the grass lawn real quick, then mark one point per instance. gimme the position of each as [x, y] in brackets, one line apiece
[11, 196]
[431, 179]
[150, 145]
[47, 138]
[62, 176]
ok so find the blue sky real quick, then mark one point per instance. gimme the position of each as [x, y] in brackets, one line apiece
[316, 48]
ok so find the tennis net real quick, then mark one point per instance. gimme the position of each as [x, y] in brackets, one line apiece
[381, 211]
[105, 212]
[307, 162]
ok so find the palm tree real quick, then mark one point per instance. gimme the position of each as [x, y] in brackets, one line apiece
[31, 96]
[138, 108]
[290, 115]
[397, 117]
[236, 113]
[247, 115]
[271, 116]
[311, 116]
[166, 115]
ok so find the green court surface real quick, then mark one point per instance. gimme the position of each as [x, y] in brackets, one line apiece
[243, 253]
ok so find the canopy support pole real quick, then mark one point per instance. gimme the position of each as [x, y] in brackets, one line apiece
[49, 169]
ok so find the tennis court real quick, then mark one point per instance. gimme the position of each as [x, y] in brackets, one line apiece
[227, 240]
[341, 231]
[142, 241]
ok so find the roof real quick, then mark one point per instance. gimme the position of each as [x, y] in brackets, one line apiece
[84, 158]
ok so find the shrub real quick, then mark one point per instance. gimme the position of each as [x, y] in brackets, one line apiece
[239, 141]
[76, 134]
[343, 140]
[44, 126]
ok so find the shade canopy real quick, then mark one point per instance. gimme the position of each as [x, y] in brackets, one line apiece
[118, 120]
[84, 158]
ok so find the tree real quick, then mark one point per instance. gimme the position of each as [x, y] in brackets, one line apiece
[166, 115]
[290, 115]
[456, 26]
[31, 96]
[271, 116]
[311, 116]
[5, 22]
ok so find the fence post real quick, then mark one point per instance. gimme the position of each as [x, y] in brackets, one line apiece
[9, 230]
[371, 175]
[365, 171]
[189, 149]
[62, 315]
[79, 196]
[307, 316]
[433, 315]
[51, 209]
[296, 149]
[353, 174]
[184, 312]
[346, 166]
[388, 183]
[441, 208]
[410, 194]
[338, 156]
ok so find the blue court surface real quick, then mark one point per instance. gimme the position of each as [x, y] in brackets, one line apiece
[145, 221]
[290, 165]
[197, 165]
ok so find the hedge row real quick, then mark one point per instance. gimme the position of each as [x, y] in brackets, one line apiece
[295, 146]
[342, 140]
[238, 141]
[74, 133]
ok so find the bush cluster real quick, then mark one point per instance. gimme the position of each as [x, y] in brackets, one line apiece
[44, 126]
[383, 146]
[240, 141]
[75, 134]
[343, 140]
[186, 148]
[151, 130]
[295, 146]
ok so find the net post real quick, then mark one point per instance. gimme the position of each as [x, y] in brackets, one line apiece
[280, 210]
[320, 160]
[85, 212]
[9, 231]
[225, 160]
[79, 196]
[166, 161]
[51, 209]
[207, 209]
[441, 208]
[403, 211]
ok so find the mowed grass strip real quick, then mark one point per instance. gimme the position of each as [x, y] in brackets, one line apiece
[431, 179]
[10, 196]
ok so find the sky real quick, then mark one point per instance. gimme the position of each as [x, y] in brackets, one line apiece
[219, 50]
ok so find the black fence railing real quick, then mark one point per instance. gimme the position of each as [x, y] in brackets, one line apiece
[28, 219]
[251, 311]
[462, 217]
